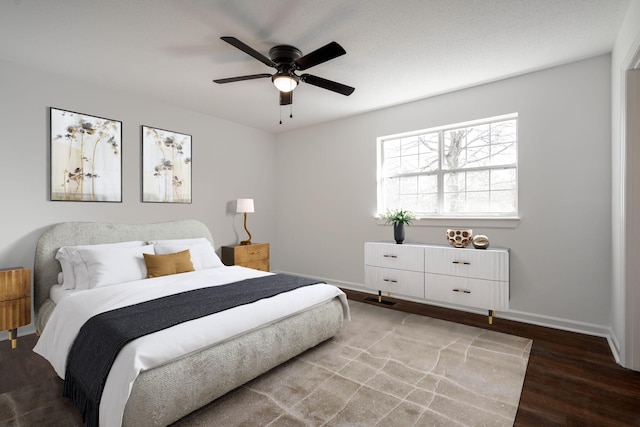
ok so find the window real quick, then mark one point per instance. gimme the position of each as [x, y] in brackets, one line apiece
[467, 170]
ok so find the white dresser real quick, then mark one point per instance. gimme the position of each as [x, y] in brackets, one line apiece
[469, 277]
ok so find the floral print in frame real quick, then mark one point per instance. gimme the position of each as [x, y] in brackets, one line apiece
[86, 157]
[166, 166]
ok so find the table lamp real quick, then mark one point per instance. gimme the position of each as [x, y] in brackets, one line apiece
[245, 206]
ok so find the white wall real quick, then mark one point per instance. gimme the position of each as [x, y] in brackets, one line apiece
[561, 250]
[623, 308]
[223, 152]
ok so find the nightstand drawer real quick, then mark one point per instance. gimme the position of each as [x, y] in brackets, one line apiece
[254, 256]
[249, 253]
[15, 313]
[15, 300]
[15, 283]
[262, 264]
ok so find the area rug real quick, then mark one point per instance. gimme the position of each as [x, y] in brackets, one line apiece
[384, 368]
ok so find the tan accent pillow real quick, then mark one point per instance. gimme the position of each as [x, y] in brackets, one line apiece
[163, 265]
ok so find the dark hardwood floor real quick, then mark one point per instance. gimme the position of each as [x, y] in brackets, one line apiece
[21, 366]
[572, 379]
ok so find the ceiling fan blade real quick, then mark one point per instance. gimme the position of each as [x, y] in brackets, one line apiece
[286, 98]
[318, 56]
[327, 84]
[241, 78]
[249, 50]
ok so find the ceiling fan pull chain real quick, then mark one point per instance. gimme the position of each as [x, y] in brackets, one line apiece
[291, 111]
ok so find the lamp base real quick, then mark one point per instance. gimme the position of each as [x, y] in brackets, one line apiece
[248, 241]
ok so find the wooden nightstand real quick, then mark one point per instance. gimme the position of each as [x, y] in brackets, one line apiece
[254, 256]
[15, 300]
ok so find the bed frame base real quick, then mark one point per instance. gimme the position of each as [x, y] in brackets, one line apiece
[187, 384]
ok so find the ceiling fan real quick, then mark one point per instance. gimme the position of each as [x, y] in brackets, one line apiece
[287, 60]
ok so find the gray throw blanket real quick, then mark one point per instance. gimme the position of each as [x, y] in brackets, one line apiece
[103, 336]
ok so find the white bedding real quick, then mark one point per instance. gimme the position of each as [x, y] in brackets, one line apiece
[151, 351]
[57, 292]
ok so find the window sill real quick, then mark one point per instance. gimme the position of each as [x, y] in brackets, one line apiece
[462, 222]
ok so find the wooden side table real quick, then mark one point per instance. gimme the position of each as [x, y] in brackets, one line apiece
[15, 300]
[255, 255]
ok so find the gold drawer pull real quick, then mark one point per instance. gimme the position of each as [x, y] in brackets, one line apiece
[254, 253]
[462, 262]
[390, 280]
[464, 291]
[390, 256]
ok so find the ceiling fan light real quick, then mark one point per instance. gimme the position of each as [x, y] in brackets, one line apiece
[285, 83]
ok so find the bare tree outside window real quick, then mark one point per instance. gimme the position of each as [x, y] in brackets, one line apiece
[466, 170]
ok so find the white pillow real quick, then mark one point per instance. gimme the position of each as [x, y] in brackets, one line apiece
[109, 266]
[189, 241]
[203, 256]
[74, 271]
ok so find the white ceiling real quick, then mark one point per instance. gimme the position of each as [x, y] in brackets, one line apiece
[397, 51]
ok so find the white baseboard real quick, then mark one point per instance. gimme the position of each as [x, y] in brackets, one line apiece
[515, 315]
[614, 344]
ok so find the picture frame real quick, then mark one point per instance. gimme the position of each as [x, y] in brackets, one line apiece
[166, 166]
[86, 157]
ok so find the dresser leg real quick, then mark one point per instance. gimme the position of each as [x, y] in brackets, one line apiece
[379, 299]
[13, 336]
[491, 314]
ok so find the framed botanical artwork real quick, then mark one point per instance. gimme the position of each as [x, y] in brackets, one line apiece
[166, 166]
[86, 157]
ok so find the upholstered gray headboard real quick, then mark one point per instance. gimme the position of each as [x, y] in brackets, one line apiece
[46, 267]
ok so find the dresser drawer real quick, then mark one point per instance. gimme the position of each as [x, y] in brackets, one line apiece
[485, 294]
[473, 263]
[403, 282]
[389, 255]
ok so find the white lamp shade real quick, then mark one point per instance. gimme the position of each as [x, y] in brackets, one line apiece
[244, 205]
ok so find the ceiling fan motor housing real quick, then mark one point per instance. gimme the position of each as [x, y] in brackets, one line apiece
[284, 54]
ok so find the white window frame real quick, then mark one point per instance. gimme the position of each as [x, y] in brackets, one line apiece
[478, 219]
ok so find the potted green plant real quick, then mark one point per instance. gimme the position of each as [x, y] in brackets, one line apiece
[399, 218]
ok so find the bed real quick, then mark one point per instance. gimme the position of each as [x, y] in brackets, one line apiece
[167, 390]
